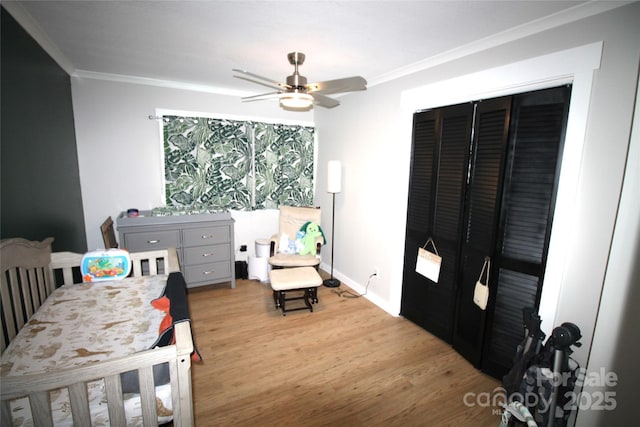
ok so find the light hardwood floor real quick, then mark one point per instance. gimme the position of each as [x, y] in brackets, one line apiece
[348, 363]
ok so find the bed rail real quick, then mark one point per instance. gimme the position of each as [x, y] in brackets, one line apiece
[153, 262]
[26, 283]
[143, 263]
[66, 263]
[37, 387]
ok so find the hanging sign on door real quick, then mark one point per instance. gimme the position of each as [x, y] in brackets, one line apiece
[481, 290]
[428, 263]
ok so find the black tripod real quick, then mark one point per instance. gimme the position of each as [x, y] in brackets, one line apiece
[562, 338]
[542, 378]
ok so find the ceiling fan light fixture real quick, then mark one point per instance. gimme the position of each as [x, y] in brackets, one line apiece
[296, 101]
[296, 94]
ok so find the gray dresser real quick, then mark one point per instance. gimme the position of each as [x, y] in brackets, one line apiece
[204, 243]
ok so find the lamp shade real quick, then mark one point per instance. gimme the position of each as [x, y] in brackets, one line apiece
[334, 176]
[296, 101]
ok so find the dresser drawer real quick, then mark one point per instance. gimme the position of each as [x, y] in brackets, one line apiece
[205, 236]
[208, 273]
[160, 239]
[207, 254]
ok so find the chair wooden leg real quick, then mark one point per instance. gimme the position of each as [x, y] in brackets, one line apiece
[282, 301]
[275, 299]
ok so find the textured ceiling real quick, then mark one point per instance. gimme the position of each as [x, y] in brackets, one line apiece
[199, 42]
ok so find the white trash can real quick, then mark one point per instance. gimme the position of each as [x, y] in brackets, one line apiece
[259, 265]
[263, 247]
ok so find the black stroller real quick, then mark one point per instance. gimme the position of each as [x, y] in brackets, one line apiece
[540, 384]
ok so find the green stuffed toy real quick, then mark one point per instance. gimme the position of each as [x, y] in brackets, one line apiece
[311, 232]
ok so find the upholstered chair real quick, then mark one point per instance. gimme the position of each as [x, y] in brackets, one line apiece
[291, 221]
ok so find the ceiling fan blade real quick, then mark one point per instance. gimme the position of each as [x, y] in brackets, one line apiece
[265, 81]
[261, 83]
[324, 101]
[347, 84]
[262, 96]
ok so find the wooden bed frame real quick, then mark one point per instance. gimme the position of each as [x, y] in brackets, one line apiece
[24, 276]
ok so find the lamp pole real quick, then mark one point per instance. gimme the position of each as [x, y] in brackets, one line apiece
[334, 185]
[332, 282]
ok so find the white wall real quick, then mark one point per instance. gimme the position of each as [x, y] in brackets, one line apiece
[615, 339]
[119, 148]
[372, 137]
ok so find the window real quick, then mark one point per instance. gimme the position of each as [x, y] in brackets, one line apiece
[220, 164]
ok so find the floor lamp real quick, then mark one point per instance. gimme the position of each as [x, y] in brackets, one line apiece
[334, 185]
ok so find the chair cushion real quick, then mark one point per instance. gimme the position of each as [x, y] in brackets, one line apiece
[294, 278]
[293, 260]
[292, 218]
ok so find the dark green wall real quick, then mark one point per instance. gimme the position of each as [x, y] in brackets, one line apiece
[40, 181]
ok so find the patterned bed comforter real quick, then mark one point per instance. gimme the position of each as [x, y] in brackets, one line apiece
[83, 324]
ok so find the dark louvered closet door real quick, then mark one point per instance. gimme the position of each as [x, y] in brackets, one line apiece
[536, 137]
[438, 179]
[483, 204]
[415, 291]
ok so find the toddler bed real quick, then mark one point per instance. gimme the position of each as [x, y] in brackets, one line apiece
[93, 353]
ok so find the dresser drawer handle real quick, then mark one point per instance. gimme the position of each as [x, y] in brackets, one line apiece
[206, 237]
[208, 272]
[153, 242]
[206, 255]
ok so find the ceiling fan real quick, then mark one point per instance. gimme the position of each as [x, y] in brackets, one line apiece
[297, 94]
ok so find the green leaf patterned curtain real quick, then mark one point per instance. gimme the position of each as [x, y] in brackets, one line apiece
[220, 164]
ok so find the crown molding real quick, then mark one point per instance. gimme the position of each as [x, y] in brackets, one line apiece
[576, 13]
[18, 13]
[171, 84]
